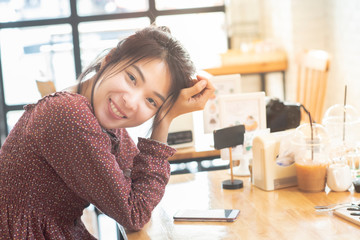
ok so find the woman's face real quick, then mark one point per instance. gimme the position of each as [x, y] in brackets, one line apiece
[132, 96]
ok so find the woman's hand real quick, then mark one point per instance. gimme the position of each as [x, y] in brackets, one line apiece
[193, 98]
[190, 99]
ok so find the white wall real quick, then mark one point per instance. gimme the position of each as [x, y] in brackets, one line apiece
[344, 45]
[331, 25]
[296, 25]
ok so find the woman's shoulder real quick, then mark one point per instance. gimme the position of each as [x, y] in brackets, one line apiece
[64, 105]
[65, 97]
[64, 101]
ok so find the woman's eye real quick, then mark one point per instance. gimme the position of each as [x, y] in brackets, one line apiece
[152, 102]
[132, 78]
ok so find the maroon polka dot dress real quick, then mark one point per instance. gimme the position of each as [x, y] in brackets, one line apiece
[57, 159]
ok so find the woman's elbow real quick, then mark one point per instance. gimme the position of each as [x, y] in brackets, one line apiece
[137, 221]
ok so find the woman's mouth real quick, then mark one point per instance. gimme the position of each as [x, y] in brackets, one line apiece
[116, 111]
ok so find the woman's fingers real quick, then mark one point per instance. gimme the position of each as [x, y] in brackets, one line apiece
[193, 98]
[200, 94]
[201, 86]
[195, 89]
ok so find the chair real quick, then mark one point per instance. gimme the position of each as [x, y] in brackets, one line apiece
[45, 87]
[312, 76]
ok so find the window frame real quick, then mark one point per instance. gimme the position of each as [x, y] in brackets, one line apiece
[74, 20]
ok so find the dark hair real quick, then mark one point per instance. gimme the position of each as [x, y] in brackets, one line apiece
[150, 43]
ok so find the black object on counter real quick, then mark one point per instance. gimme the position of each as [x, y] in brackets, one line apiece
[228, 138]
[357, 185]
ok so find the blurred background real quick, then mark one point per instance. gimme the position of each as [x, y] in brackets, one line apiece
[55, 40]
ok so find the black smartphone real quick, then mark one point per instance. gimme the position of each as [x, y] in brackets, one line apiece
[205, 215]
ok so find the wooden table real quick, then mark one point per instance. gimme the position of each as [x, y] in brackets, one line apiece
[281, 214]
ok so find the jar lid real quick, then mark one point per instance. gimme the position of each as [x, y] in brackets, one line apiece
[335, 115]
[310, 135]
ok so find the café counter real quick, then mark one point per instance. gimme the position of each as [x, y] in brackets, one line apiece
[281, 214]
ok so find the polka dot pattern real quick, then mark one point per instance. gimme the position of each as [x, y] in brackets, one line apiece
[57, 160]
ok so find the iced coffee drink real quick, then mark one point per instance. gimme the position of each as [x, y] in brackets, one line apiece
[311, 177]
[311, 157]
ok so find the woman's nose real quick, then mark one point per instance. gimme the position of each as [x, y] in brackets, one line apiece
[131, 100]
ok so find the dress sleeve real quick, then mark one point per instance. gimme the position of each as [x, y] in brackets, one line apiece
[72, 142]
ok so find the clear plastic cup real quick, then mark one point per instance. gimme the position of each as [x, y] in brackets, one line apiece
[311, 157]
[342, 124]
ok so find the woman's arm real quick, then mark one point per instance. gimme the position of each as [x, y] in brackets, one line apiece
[70, 139]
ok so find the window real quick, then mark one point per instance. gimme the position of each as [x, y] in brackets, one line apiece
[203, 35]
[99, 35]
[29, 53]
[176, 4]
[21, 10]
[55, 40]
[97, 7]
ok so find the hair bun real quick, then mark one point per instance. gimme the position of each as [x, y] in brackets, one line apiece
[164, 29]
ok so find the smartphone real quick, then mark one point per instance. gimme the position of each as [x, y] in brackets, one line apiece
[205, 215]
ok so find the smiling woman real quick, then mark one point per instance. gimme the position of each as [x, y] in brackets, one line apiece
[71, 148]
[132, 96]
[173, 69]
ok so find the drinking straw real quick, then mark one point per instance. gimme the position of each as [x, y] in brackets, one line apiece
[311, 131]
[344, 120]
[312, 136]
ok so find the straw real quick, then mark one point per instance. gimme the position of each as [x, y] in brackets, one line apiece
[311, 131]
[344, 120]
[312, 137]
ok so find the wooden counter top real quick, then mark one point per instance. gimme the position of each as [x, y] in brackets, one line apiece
[281, 214]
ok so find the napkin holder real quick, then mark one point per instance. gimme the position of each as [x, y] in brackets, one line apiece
[267, 173]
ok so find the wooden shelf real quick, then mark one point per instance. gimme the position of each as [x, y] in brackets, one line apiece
[193, 153]
[249, 68]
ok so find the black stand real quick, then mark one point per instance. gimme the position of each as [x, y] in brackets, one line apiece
[235, 184]
[232, 184]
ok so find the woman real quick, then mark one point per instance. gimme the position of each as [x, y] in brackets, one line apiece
[71, 148]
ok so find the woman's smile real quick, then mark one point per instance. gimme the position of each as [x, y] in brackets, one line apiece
[115, 110]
